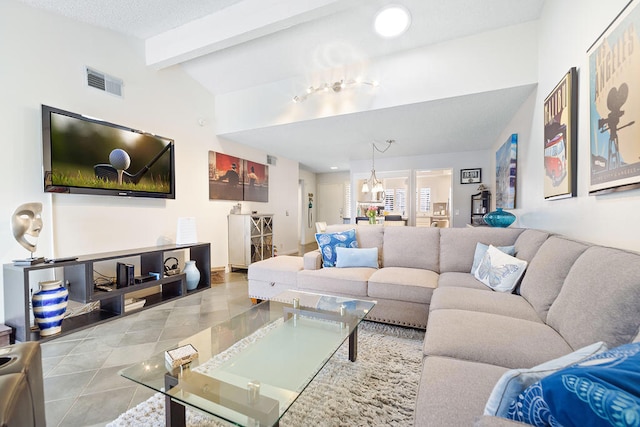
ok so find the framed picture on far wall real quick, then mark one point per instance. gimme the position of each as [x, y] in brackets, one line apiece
[506, 172]
[560, 130]
[470, 176]
[614, 103]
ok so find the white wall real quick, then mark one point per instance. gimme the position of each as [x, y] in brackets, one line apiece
[43, 58]
[567, 29]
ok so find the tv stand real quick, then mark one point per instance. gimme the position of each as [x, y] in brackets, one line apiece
[78, 277]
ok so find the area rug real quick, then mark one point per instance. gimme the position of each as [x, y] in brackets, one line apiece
[379, 388]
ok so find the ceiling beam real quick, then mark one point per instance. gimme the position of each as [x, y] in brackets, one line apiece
[236, 24]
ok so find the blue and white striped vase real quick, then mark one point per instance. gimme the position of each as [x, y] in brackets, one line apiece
[49, 306]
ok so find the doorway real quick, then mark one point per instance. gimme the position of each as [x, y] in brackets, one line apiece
[433, 198]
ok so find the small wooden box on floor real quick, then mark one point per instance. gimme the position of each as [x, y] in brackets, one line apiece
[217, 275]
[5, 335]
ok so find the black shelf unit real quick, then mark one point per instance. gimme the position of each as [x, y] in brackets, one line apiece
[78, 277]
[480, 205]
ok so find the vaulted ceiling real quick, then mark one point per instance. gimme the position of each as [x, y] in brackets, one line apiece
[233, 46]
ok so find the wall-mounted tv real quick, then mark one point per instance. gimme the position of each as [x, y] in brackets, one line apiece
[85, 155]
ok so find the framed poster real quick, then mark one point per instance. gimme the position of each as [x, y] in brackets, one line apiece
[471, 176]
[506, 170]
[614, 103]
[560, 130]
[224, 177]
[256, 182]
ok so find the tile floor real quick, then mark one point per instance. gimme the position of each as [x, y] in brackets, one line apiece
[81, 382]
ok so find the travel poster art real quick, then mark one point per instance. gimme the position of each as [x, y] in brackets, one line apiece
[614, 101]
[560, 128]
[506, 169]
[224, 177]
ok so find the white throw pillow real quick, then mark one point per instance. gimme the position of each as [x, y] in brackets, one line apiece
[500, 271]
[515, 381]
[481, 249]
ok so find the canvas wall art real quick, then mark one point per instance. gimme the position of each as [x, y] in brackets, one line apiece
[614, 101]
[256, 182]
[506, 169]
[233, 178]
[560, 129]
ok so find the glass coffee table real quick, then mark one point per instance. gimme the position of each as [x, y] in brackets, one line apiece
[250, 369]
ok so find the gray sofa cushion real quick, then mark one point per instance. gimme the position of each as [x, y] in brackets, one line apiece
[528, 243]
[487, 302]
[281, 269]
[413, 247]
[458, 245]
[600, 299]
[461, 280]
[368, 236]
[453, 392]
[491, 338]
[547, 271]
[346, 281]
[403, 284]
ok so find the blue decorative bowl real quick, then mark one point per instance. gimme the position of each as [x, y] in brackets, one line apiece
[499, 218]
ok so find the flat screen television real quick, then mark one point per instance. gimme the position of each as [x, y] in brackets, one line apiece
[84, 155]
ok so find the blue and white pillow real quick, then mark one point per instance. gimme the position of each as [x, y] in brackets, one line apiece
[515, 381]
[500, 271]
[328, 242]
[481, 249]
[603, 390]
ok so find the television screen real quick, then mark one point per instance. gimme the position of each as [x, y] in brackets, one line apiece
[85, 155]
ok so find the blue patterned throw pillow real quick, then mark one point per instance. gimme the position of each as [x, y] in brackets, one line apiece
[328, 242]
[603, 390]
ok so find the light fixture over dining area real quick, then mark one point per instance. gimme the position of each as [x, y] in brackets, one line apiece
[373, 184]
[335, 87]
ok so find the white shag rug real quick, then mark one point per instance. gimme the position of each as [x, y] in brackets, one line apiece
[378, 389]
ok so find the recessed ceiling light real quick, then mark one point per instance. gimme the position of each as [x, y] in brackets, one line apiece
[333, 168]
[392, 21]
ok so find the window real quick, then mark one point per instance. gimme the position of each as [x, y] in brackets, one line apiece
[395, 200]
[424, 201]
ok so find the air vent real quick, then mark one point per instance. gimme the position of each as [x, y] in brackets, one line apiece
[104, 82]
[271, 160]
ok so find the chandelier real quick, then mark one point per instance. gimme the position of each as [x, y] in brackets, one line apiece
[373, 184]
[334, 87]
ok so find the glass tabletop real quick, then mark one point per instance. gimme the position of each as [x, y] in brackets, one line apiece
[251, 368]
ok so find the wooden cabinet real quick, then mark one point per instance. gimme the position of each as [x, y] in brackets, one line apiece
[80, 277]
[480, 205]
[250, 239]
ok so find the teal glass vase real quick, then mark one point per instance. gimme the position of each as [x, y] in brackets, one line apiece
[499, 218]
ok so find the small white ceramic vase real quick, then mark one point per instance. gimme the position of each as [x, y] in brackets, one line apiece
[193, 275]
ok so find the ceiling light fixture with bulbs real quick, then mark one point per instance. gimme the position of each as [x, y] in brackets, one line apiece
[392, 21]
[373, 184]
[334, 87]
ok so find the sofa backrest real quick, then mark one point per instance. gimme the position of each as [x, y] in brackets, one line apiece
[458, 245]
[600, 299]
[528, 243]
[547, 272]
[368, 236]
[412, 247]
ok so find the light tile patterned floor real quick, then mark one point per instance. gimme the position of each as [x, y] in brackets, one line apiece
[81, 382]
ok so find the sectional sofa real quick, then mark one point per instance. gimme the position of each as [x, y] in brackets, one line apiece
[571, 295]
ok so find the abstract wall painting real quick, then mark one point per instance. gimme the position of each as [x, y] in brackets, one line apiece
[506, 170]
